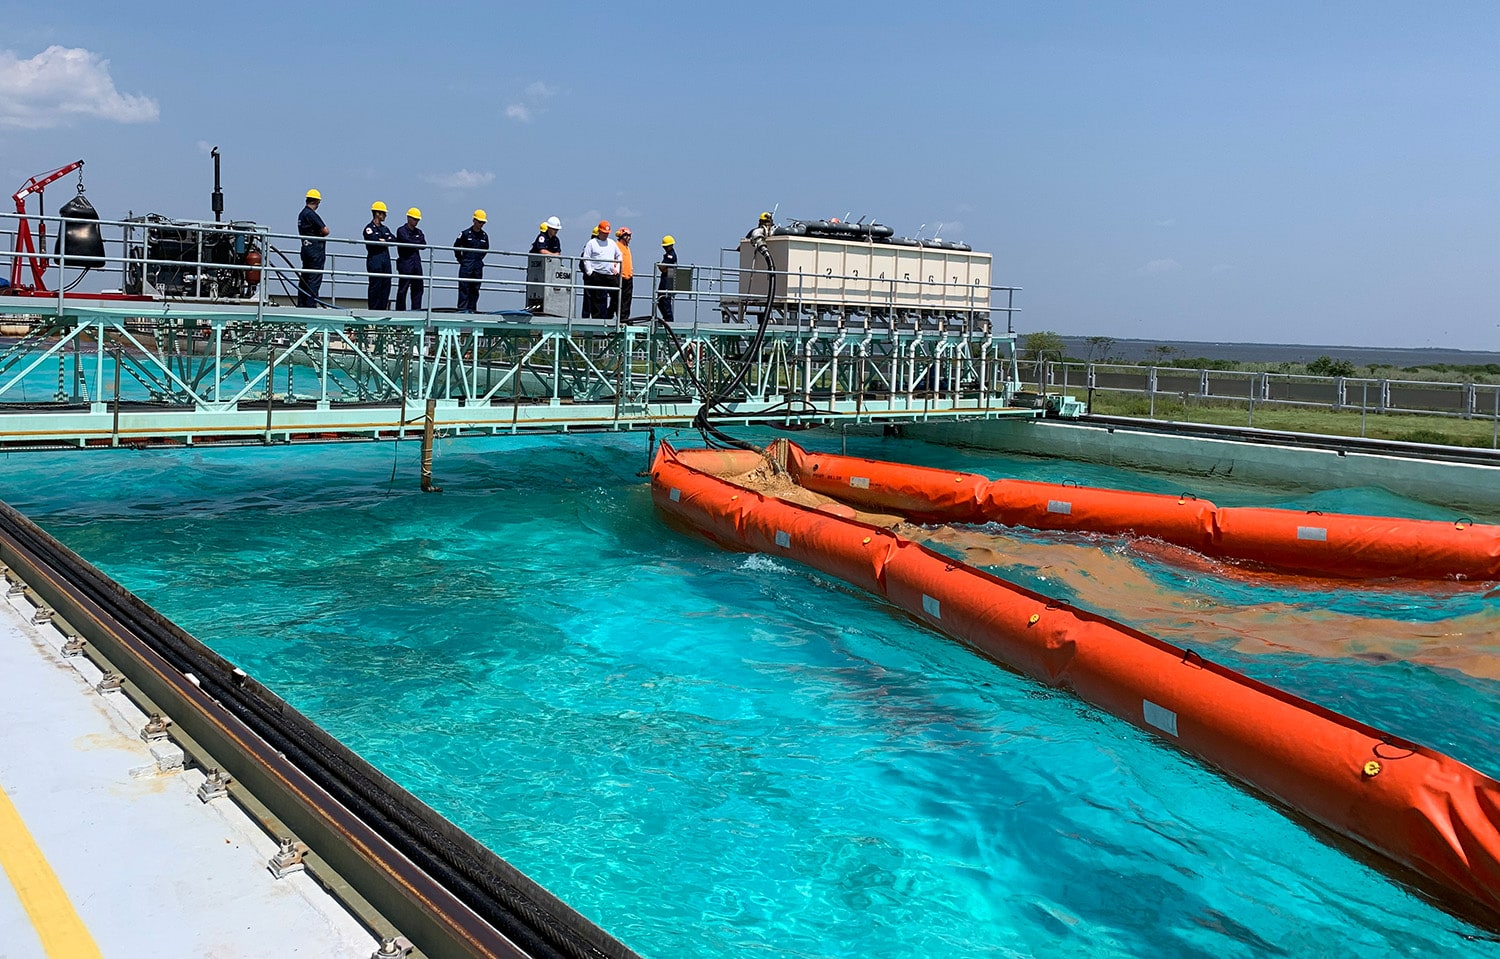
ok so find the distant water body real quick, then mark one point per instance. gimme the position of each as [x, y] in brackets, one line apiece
[1131, 351]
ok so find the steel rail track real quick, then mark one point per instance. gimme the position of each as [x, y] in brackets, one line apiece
[446, 892]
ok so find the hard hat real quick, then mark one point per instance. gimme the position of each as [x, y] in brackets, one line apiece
[603, 226]
[542, 225]
[414, 213]
[314, 195]
[667, 240]
[378, 207]
[479, 215]
[765, 216]
[624, 231]
[553, 222]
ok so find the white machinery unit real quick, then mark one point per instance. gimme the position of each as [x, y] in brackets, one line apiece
[818, 272]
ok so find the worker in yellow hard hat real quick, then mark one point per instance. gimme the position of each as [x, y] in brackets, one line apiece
[762, 229]
[470, 249]
[666, 278]
[410, 241]
[312, 229]
[378, 239]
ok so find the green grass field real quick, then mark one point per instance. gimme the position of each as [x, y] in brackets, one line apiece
[1441, 430]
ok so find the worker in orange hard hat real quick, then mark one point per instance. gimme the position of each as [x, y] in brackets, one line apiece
[470, 249]
[600, 261]
[410, 241]
[627, 276]
[312, 229]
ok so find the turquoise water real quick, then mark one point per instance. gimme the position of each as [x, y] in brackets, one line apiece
[713, 753]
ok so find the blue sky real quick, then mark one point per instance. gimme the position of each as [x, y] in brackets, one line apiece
[1270, 172]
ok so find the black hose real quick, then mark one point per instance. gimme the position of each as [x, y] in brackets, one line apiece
[714, 399]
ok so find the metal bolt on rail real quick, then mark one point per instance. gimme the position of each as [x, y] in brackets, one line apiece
[155, 728]
[43, 615]
[16, 589]
[288, 858]
[397, 948]
[73, 646]
[110, 682]
[214, 787]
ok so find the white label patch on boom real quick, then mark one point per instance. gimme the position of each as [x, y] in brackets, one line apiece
[1317, 533]
[859, 482]
[1160, 717]
[676, 495]
[932, 607]
[1059, 506]
[783, 539]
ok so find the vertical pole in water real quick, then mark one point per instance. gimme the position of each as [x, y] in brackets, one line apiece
[428, 426]
[114, 437]
[405, 390]
[270, 388]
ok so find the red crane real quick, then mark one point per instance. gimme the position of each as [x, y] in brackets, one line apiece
[25, 251]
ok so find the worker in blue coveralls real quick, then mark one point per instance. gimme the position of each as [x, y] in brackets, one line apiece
[378, 239]
[311, 228]
[547, 240]
[472, 244]
[409, 243]
[666, 280]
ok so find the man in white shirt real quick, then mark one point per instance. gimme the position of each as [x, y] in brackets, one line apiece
[600, 260]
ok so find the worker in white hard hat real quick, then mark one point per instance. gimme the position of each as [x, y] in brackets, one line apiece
[547, 240]
[378, 239]
[666, 278]
[470, 249]
[410, 241]
[312, 229]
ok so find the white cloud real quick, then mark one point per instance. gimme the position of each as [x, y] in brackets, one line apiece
[61, 84]
[626, 211]
[1155, 267]
[461, 179]
[530, 104]
[951, 229]
[205, 147]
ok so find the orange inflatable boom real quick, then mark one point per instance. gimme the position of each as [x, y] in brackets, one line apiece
[1415, 807]
[1330, 544]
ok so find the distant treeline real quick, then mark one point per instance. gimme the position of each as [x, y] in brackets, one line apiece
[1100, 349]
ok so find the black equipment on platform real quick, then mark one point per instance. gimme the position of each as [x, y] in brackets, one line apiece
[80, 241]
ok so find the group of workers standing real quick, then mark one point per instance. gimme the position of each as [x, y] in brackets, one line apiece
[608, 273]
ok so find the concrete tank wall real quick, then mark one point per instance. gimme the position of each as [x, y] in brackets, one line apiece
[1468, 486]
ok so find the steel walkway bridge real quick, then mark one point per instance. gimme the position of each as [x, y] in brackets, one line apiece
[185, 343]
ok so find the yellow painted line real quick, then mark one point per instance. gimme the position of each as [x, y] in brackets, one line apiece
[52, 915]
